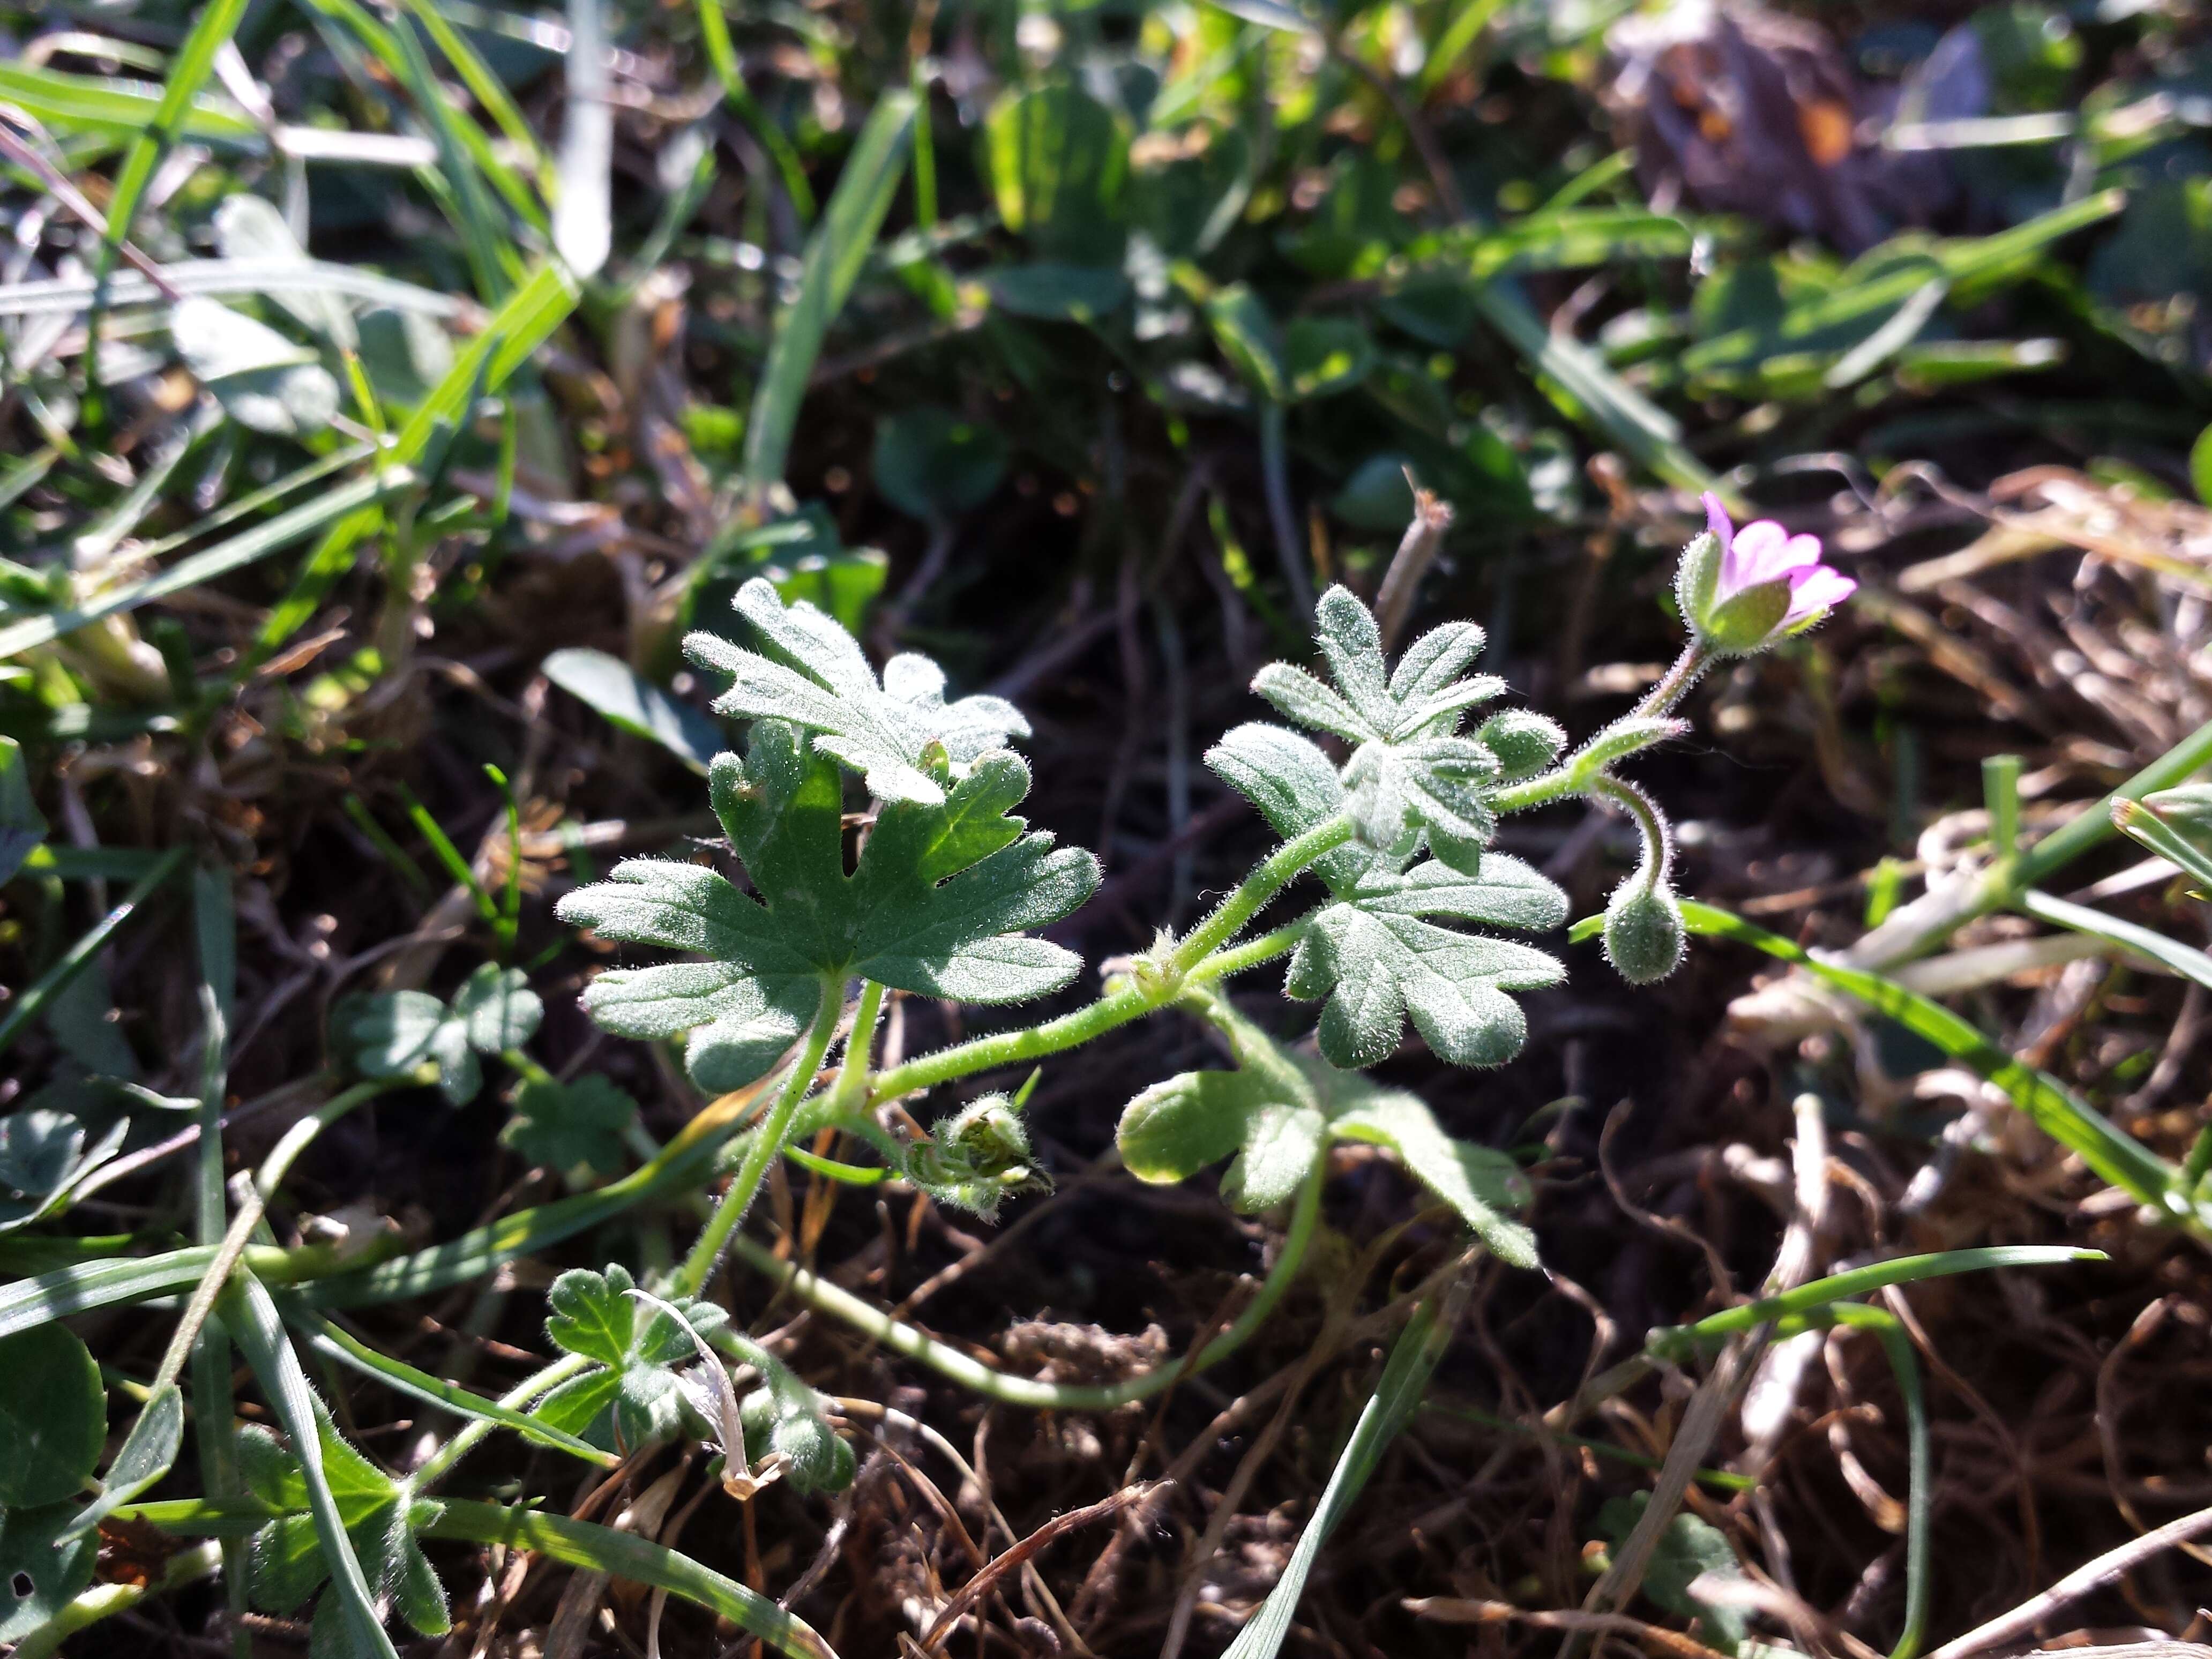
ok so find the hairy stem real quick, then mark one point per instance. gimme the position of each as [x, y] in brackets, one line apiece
[958, 1366]
[1570, 777]
[1263, 884]
[1131, 1001]
[1197, 956]
[1658, 843]
[699, 1266]
[852, 1084]
[543, 1381]
[1674, 684]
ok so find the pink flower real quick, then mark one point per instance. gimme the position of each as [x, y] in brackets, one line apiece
[1744, 589]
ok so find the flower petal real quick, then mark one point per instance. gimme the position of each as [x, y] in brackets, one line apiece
[1766, 552]
[1813, 592]
[1716, 521]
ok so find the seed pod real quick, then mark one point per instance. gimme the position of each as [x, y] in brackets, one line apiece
[1643, 933]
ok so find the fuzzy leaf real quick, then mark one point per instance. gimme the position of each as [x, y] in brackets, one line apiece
[1410, 770]
[392, 1033]
[1295, 788]
[592, 1314]
[1179, 1127]
[1275, 1110]
[1378, 969]
[498, 1009]
[1479, 1182]
[636, 1397]
[1281, 1140]
[899, 734]
[936, 904]
[571, 1128]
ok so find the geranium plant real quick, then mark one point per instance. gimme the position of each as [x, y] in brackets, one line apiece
[1392, 830]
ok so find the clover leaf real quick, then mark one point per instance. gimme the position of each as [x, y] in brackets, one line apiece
[1689, 1548]
[634, 1398]
[287, 1564]
[53, 1416]
[1277, 1110]
[41, 1572]
[901, 734]
[1410, 770]
[937, 903]
[395, 1033]
[574, 1129]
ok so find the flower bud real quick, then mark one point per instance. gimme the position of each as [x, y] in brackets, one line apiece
[1643, 932]
[1524, 742]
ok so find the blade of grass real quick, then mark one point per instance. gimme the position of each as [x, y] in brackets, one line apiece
[1920, 1489]
[1414, 1357]
[1819, 1293]
[23, 1009]
[483, 86]
[64, 294]
[188, 72]
[557, 1538]
[2141, 825]
[834, 254]
[119, 109]
[1647, 432]
[622, 1555]
[337, 1345]
[2116, 1156]
[252, 1318]
[714, 31]
[240, 550]
[626, 699]
[215, 929]
[2190, 964]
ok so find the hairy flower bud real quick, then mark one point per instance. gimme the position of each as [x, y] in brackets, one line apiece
[1643, 932]
[976, 1157]
[1524, 741]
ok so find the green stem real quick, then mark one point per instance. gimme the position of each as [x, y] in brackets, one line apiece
[851, 1088]
[1658, 844]
[1198, 957]
[984, 1053]
[956, 1365]
[1275, 873]
[768, 1139]
[1250, 954]
[1675, 682]
[440, 1462]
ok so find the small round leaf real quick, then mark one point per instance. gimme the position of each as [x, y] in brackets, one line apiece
[53, 1416]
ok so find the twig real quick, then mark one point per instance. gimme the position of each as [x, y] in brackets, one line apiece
[1394, 601]
[2093, 1576]
[71, 197]
[1007, 1559]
